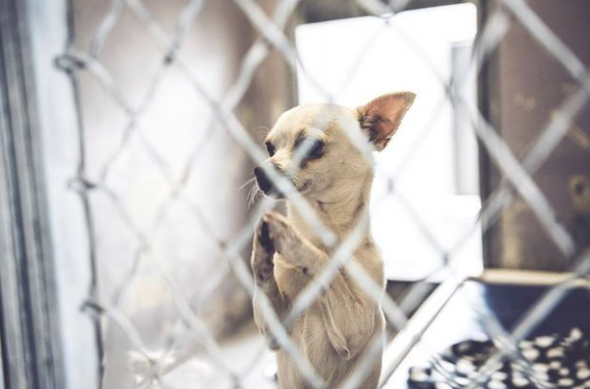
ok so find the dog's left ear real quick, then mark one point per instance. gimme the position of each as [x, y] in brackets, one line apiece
[381, 117]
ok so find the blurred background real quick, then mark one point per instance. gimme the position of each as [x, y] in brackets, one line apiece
[123, 205]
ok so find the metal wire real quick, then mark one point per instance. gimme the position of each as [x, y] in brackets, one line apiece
[273, 38]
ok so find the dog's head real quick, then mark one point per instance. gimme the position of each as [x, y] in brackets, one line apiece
[316, 146]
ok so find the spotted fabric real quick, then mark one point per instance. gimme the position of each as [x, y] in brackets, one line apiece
[553, 361]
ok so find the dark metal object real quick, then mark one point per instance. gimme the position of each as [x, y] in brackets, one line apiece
[326, 10]
[29, 330]
[485, 84]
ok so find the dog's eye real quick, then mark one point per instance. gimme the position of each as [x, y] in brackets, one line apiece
[316, 149]
[270, 148]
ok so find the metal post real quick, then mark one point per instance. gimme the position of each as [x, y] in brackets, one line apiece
[29, 332]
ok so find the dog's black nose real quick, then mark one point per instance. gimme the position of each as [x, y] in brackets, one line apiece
[264, 183]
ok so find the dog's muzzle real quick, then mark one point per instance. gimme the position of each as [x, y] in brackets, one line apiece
[265, 183]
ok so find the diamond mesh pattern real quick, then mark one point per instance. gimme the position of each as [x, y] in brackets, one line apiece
[272, 38]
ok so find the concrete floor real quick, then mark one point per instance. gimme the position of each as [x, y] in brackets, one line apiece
[245, 353]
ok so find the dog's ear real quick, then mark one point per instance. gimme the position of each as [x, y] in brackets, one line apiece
[381, 117]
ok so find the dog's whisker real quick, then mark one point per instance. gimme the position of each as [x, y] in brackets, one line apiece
[262, 131]
[248, 182]
[253, 193]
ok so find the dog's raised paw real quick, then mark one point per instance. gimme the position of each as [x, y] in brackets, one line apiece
[264, 238]
[262, 254]
[281, 233]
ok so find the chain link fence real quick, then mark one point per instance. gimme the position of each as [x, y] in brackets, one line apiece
[106, 311]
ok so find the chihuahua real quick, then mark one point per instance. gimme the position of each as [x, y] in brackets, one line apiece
[334, 176]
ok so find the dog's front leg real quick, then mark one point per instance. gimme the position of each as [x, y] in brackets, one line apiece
[294, 248]
[263, 269]
[348, 313]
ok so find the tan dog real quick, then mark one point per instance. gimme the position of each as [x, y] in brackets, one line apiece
[335, 177]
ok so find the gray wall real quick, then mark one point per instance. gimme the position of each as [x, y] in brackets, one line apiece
[526, 85]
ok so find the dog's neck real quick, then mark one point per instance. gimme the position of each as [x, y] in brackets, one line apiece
[340, 212]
